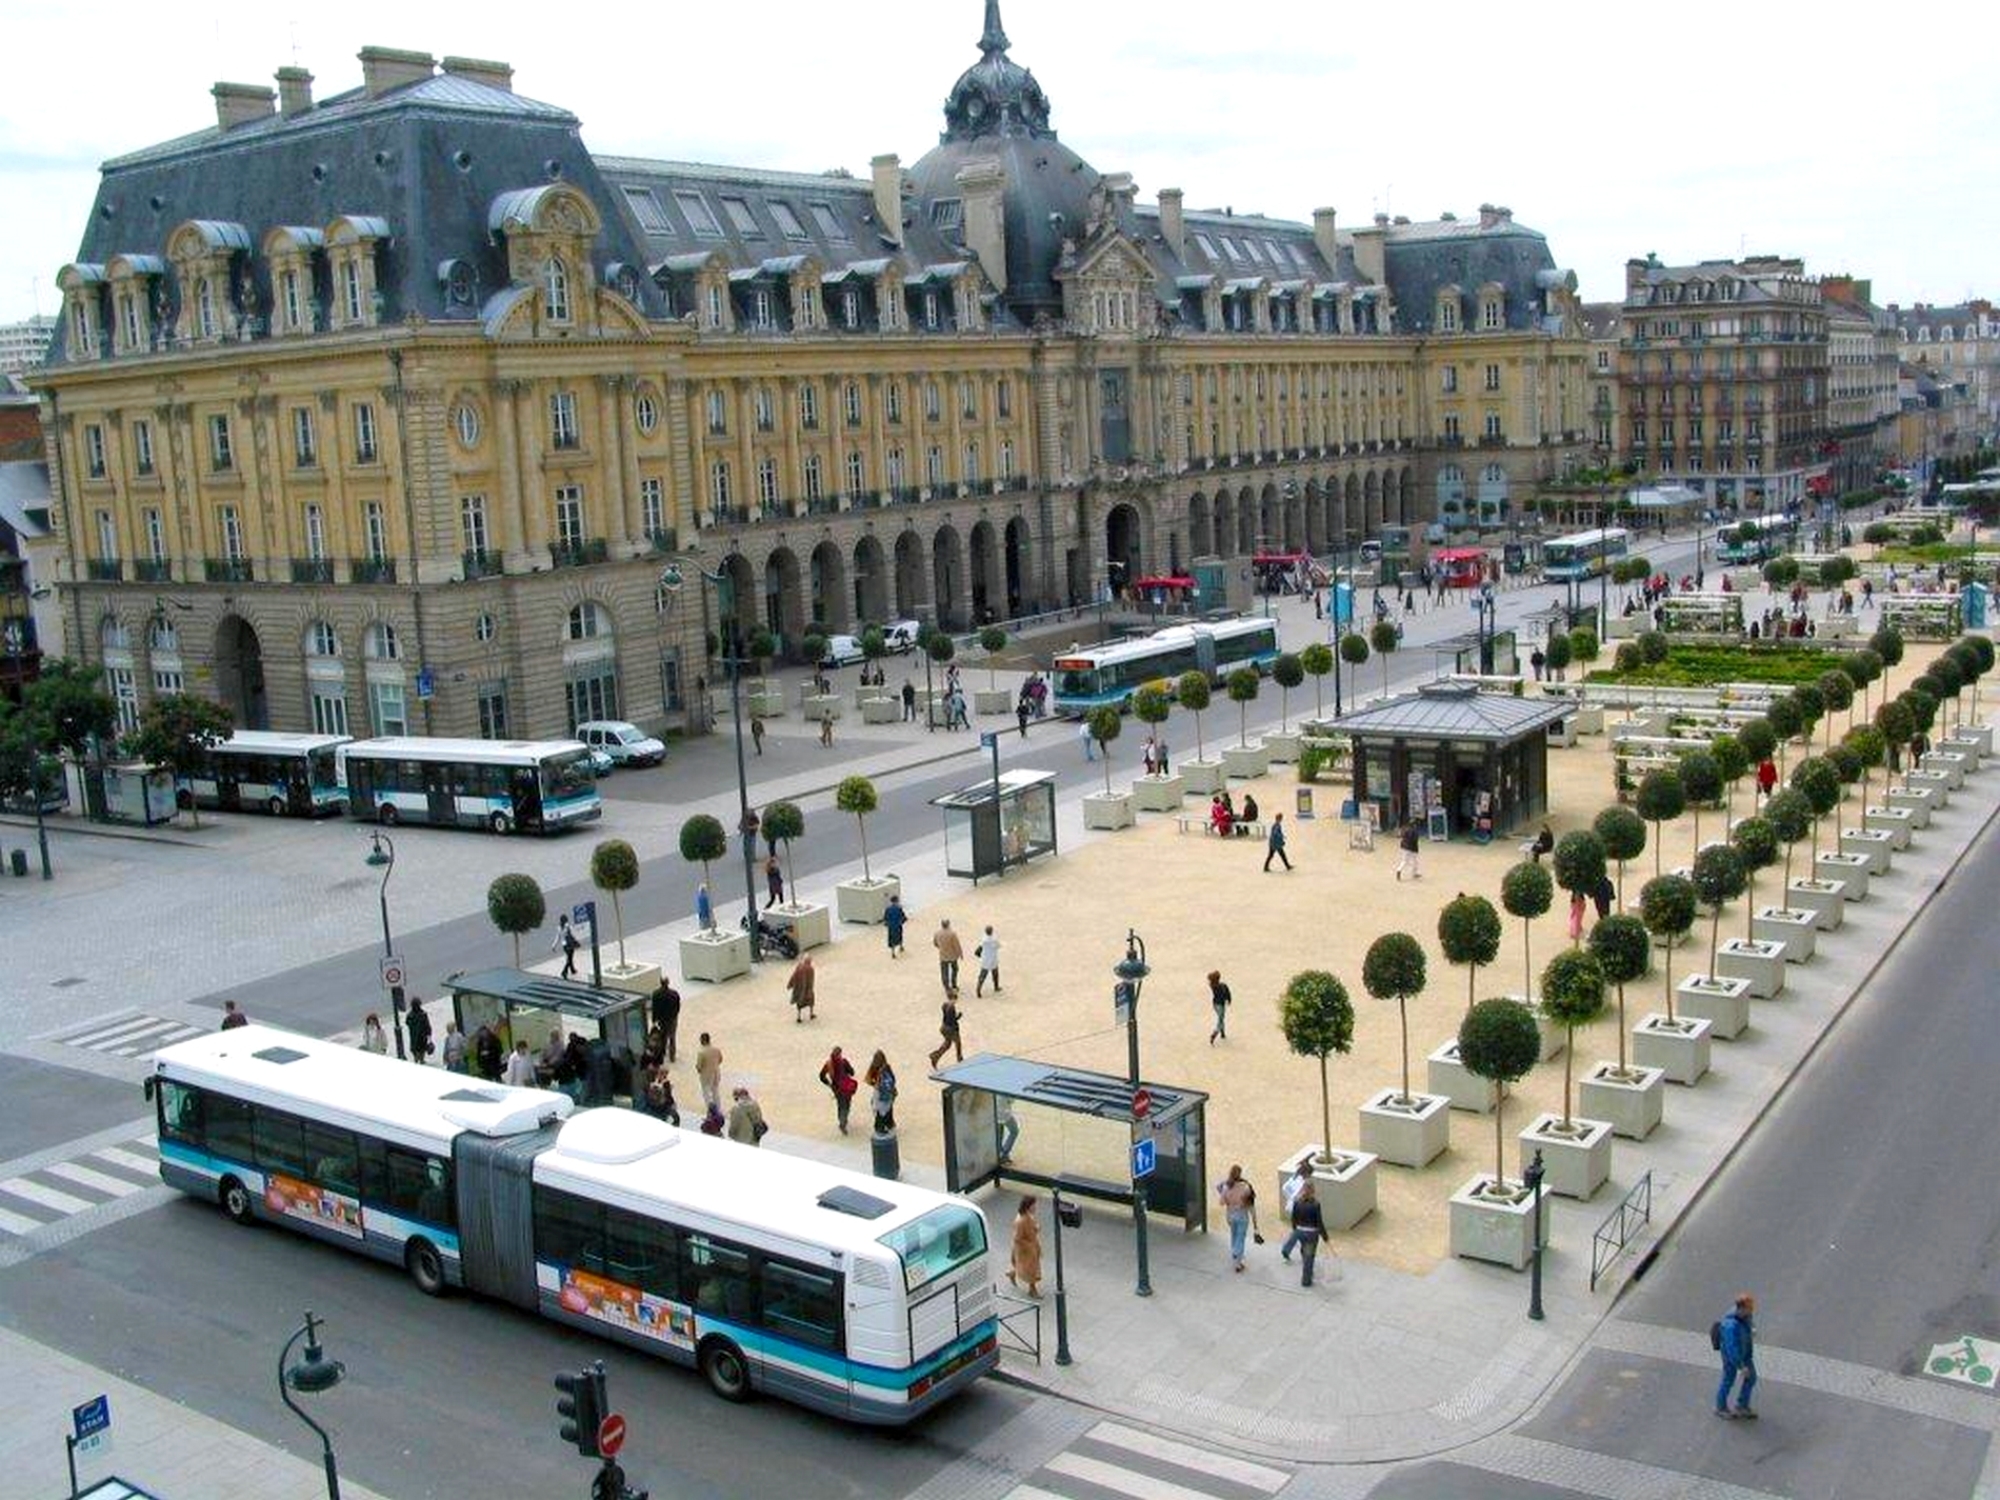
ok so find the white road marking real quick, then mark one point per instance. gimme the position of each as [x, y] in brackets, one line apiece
[118, 1030]
[18, 1223]
[1221, 1465]
[1124, 1481]
[102, 1182]
[118, 1157]
[48, 1197]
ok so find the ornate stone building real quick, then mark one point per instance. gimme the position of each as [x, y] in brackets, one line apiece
[384, 411]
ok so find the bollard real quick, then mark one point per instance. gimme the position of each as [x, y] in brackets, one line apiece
[888, 1157]
[17, 861]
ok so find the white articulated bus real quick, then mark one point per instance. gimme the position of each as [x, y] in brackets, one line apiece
[868, 1299]
[529, 786]
[1111, 674]
[281, 774]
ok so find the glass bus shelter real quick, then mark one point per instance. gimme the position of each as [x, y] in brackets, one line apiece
[999, 822]
[521, 1006]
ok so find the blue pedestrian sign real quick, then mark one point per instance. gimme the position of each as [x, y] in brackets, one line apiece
[92, 1417]
[583, 914]
[989, 741]
[1144, 1154]
[426, 683]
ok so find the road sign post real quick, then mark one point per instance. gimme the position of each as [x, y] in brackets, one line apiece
[392, 972]
[90, 1433]
[1145, 1156]
[611, 1434]
[582, 914]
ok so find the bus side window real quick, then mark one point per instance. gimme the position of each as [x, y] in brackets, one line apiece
[568, 1230]
[228, 1126]
[643, 1253]
[281, 1144]
[331, 1159]
[181, 1113]
[802, 1305]
[715, 1277]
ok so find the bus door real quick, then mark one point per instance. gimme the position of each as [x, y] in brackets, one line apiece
[1204, 653]
[229, 784]
[525, 786]
[440, 791]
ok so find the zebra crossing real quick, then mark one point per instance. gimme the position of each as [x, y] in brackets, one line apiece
[1112, 1460]
[61, 1190]
[136, 1036]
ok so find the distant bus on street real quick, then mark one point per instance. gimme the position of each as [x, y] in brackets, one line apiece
[866, 1298]
[1584, 554]
[1756, 539]
[507, 786]
[255, 770]
[1112, 674]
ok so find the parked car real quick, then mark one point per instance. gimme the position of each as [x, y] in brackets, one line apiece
[842, 650]
[601, 763]
[901, 635]
[623, 744]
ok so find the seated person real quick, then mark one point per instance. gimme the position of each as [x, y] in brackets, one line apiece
[1542, 843]
[1219, 816]
[1249, 812]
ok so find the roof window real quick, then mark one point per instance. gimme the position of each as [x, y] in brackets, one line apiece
[701, 219]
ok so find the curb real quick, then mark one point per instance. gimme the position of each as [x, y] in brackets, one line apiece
[96, 831]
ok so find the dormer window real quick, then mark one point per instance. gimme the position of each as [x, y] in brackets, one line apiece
[290, 303]
[350, 290]
[1491, 316]
[714, 307]
[1447, 318]
[555, 290]
[850, 309]
[760, 310]
[931, 311]
[205, 322]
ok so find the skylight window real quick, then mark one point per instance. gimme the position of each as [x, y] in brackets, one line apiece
[740, 216]
[701, 219]
[829, 223]
[788, 222]
[646, 209]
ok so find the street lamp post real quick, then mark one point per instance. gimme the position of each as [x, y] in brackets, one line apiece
[382, 856]
[1488, 608]
[1132, 971]
[1068, 1215]
[313, 1373]
[1533, 1178]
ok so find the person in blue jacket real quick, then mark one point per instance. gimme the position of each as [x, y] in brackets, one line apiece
[1739, 1357]
[893, 920]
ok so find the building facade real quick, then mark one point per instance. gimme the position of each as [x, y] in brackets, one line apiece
[23, 345]
[1862, 400]
[1958, 345]
[383, 413]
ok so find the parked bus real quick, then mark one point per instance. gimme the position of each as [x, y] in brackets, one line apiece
[1756, 539]
[1460, 567]
[533, 786]
[866, 1298]
[1584, 554]
[1112, 674]
[281, 774]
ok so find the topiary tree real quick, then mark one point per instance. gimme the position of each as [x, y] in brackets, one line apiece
[1317, 1019]
[1105, 723]
[1759, 741]
[614, 868]
[1578, 863]
[1288, 672]
[1732, 765]
[1781, 572]
[1862, 667]
[1667, 907]
[1980, 657]
[1848, 765]
[1572, 996]
[1869, 747]
[1897, 725]
[1354, 651]
[1785, 721]
[813, 649]
[1394, 970]
[763, 646]
[1791, 818]
[703, 840]
[1950, 677]
[1701, 782]
[1624, 951]
[1556, 656]
[1811, 704]
[856, 795]
[1527, 892]
[1316, 661]
[1194, 692]
[783, 822]
[1243, 686]
[1627, 658]
[1152, 704]
[1660, 799]
[1469, 933]
[1384, 640]
[992, 641]
[1756, 844]
[1923, 706]
[1583, 645]
[1837, 689]
[874, 645]
[1499, 1042]
[1719, 878]
[1819, 783]
[1887, 643]
[514, 905]
[1622, 832]
[1653, 646]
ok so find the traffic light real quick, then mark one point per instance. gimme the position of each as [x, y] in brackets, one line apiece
[581, 1407]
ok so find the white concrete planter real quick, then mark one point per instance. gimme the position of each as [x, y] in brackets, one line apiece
[1917, 801]
[1722, 1002]
[1576, 1165]
[1979, 734]
[810, 922]
[638, 979]
[1758, 966]
[1412, 1135]
[1161, 794]
[1631, 1108]
[992, 701]
[1797, 931]
[1554, 1037]
[1588, 719]
[1850, 870]
[1678, 1048]
[1825, 899]
[864, 901]
[882, 711]
[816, 706]
[1343, 1181]
[1498, 1230]
[1282, 745]
[1203, 778]
[1935, 782]
[1875, 845]
[715, 956]
[1958, 742]
[765, 699]
[1449, 1077]
[1894, 821]
[1622, 628]
[1246, 762]
[1950, 766]
[1109, 811]
[863, 696]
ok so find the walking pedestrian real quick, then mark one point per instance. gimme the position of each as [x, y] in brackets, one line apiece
[949, 951]
[1735, 1338]
[1218, 998]
[1308, 1228]
[418, 1024]
[1165, 769]
[774, 881]
[660, 1101]
[1021, 714]
[802, 984]
[1026, 1262]
[757, 734]
[1149, 755]
[1767, 777]
[566, 943]
[1237, 1198]
[1089, 745]
[488, 1056]
[949, 1039]
[704, 909]
[909, 701]
[712, 1122]
[746, 1119]
[454, 1048]
[894, 919]
[959, 719]
[708, 1070]
[373, 1038]
[837, 1073]
[667, 1016]
[989, 963]
[826, 728]
[520, 1072]
[1576, 908]
[1409, 842]
[1274, 843]
[1605, 896]
[232, 1017]
[881, 1079]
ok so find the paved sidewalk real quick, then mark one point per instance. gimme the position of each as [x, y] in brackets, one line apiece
[156, 1443]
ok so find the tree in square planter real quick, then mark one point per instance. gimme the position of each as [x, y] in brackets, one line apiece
[1469, 933]
[1869, 747]
[1152, 704]
[1896, 724]
[1719, 878]
[1383, 639]
[1527, 892]
[1807, 699]
[1557, 655]
[1105, 724]
[514, 904]
[1816, 780]
[1572, 996]
[1354, 652]
[702, 843]
[1667, 907]
[813, 650]
[874, 646]
[1791, 818]
[1317, 1019]
[1194, 693]
[856, 796]
[614, 869]
[992, 641]
[1399, 1126]
[1732, 765]
[1622, 832]
[1837, 688]
[783, 822]
[1851, 769]
[1499, 1042]
[1863, 669]
[1785, 721]
[1660, 799]
[1701, 784]
[1624, 952]
[1578, 863]
[1756, 844]
[1243, 685]
[1316, 661]
[1394, 970]
[1759, 741]
[1288, 672]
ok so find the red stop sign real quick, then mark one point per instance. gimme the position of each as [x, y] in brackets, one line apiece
[1142, 1103]
[611, 1435]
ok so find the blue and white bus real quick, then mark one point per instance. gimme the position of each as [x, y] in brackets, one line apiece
[258, 770]
[1112, 674]
[529, 786]
[1756, 539]
[869, 1299]
[1584, 554]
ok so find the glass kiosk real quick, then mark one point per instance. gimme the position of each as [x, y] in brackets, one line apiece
[998, 823]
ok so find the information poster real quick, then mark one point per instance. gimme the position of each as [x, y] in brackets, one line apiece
[622, 1306]
[291, 1198]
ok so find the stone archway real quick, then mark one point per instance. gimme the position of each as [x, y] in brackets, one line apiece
[1371, 504]
[1406, 498]
[1201, 539]
[1017, 566]
[784, 613]
[1351, 517]
[1224, 538]
[1315, 525]
[1246, 522]
[913, 589]
[744, 588]
[989, 600]
[949, 593]
[1124, 555]
[1270, 520]
[829, 589]
[871, 583]
[239, 673]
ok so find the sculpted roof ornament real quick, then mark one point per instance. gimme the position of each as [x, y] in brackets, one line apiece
[996, 95]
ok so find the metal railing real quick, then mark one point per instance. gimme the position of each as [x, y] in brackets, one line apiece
[1020, 1324]
[372, 570]
[1633, 1213]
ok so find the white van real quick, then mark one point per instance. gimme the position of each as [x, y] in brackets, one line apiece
[626, 744]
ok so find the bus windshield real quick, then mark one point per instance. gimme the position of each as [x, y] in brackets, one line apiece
[321, 771]
[566, 773]
[1076, 682]
[939, 1242]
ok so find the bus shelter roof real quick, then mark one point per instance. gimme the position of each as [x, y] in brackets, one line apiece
[979, 793]
[525, 991]
[1104, 1096]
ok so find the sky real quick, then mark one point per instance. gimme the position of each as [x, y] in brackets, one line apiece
[1700, 131]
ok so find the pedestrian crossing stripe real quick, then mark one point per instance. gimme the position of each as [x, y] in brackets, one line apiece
[63, 1189]
[131, 1035]
[1118, 1460]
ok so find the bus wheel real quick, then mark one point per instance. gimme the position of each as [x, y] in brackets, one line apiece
[387, 814]
[500, 823]
[277, 807]
[237, 1202]
[721, 1364]
[426, 1267]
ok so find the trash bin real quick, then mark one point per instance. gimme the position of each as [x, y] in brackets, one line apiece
[888, 1157]
[17, 861]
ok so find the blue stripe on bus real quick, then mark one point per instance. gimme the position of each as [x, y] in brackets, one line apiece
[183, 1155]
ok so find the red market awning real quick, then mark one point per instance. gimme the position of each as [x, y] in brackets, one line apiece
[1174, 581]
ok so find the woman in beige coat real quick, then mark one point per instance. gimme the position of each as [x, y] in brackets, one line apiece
[1027, 1260]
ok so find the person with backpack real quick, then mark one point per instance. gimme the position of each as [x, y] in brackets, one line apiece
[837, 1073]
[1734, 1338]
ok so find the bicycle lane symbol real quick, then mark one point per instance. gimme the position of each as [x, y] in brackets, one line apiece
[1967, 1360]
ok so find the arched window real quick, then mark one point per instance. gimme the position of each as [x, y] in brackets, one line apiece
[113, 636]
[321, 640]
[165, 640]
[380, 644]
[204, 302]
[555, 290]
[588, 622]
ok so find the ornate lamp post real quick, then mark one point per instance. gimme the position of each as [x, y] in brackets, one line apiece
[310, 1375]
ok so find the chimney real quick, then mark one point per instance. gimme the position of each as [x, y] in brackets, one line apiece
[1325, 221]
[495, 75]
[1369, 261]
[889, 197]
[1635, 274]
[385, 68]
[295, 91]
[983, 185]
[1173, 227]
[1489, 216]
[240, 103]
[1119, 191]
